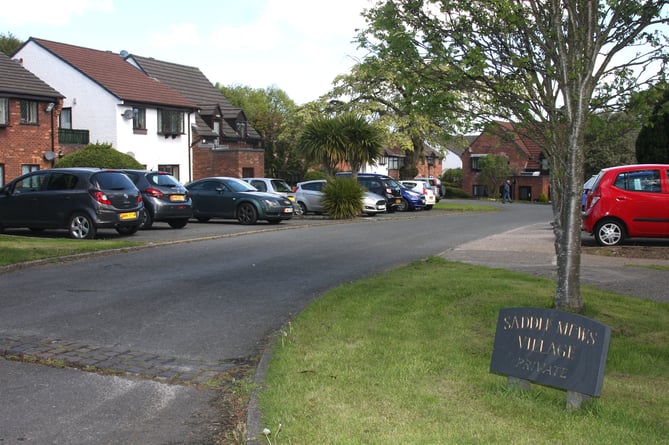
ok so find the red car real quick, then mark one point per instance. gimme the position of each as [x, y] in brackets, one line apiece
[628, 201]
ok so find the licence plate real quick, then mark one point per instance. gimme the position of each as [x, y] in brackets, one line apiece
[288, 210]
[127, 215]
[398, 201]
[180, 198]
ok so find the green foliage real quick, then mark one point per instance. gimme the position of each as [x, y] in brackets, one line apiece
[342, 198]
[452, 176]
[494, 171]
[312, 175]
[342, 138]
[456, 193]
[9, 43]
[275, 116]
[609, 141]
[652, 145]
[100, 156]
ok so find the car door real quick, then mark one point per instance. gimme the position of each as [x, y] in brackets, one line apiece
[59, 198]
[20, 203]
[212, 198]
[312, 193]
[641, 201]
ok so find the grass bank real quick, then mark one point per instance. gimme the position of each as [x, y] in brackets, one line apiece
[18, 249]
[404, 358]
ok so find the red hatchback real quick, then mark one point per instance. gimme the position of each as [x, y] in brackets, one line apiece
[628, 201]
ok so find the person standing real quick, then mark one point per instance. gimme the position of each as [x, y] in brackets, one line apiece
[506, 194]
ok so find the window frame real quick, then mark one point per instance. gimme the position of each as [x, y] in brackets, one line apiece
[29, 112]
[138, 118]
[170, 122]
[65, 112]
[4, 111]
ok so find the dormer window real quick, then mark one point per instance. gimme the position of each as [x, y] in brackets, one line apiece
[170, 122]
[241, 129]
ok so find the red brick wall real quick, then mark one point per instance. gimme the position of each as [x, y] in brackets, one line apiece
[227, 162]
[26, 144]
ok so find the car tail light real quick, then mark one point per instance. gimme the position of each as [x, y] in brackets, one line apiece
[139, 198]
[155, 193]
[100, 197]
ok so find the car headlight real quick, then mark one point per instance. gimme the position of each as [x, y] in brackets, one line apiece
[268, 203]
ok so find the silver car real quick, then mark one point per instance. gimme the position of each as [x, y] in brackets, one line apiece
[309, 196]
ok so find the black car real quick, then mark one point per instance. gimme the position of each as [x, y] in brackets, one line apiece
[165, 199]
[381, 185]
[81, 200]
[225, 197]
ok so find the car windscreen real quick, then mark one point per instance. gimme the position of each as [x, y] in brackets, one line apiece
[162, 179]
[112, 181]
[281, 186]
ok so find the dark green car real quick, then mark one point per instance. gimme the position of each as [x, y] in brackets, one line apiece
[231, 198]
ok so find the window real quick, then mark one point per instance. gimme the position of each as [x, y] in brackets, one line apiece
[241, 129]
[247, 172]
[65, 118]
[479, 190]
[170, 122]
[29, 112]
[640, 181]
[62, 181]
[475, 162]
[2, 175]
[395, 162]
[27, 168]
[32, 183]
[170, 169]
[4, 111]
[139, 118]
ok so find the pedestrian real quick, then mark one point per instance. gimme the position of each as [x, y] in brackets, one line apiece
[506, 195]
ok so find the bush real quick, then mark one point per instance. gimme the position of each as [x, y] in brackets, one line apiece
[313, 175]
[342, 198]
[99, 156]
[456, 193]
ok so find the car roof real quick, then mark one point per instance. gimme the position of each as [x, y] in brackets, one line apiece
[635, 167]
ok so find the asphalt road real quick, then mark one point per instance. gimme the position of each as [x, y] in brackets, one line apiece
[213, 294]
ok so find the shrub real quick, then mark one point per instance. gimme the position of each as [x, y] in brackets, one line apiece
[456, 193]
[100, 156]
[342, 198]
[313, 175]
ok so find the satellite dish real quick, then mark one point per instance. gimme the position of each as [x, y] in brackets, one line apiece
[131, 154]
[124, 53]
[127, 114]
[49, 155]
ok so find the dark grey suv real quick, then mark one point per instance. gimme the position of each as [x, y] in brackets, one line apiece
[81, 200]
[165, 199]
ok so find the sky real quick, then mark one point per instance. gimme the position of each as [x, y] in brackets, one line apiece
[298, 46]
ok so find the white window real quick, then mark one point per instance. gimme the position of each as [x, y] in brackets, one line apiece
[65, 118]
[139, 118]
[4, 111]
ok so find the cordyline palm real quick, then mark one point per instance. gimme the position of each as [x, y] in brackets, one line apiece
[345, 137]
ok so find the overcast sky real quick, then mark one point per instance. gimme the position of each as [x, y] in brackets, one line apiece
[298, 46]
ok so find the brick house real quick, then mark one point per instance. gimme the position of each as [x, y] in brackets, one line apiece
[223, 141]
[530, 177]
[108, 100]
[429, 164]
[29, 111]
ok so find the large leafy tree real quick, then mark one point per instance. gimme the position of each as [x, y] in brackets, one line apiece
[652, 145]
[609, 140]
[273, 114]
[543, 63]
[9, 43]
[494, 171]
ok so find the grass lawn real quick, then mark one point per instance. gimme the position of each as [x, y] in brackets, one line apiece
[404, 359]
[18, 249]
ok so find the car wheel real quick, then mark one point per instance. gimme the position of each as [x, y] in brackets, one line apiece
[247, 214]
[303, 207]
[609, 232]
[403, 206]
[147, 220]
[81, 227]
[178, 223]
[297, 208]
[127, 230]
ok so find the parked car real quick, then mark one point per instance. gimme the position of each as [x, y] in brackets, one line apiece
[628, 201]
[309, 196]
[586, 189]
[381, 185]
[410, 200]
[165, 198]
[232, 198]
[278, 186]
[421, 187]
[435, 185]
[81, 200]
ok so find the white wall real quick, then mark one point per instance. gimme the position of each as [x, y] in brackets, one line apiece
[100, 112]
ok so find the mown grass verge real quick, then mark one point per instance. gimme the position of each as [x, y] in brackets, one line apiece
[18, 249]
[404, 358]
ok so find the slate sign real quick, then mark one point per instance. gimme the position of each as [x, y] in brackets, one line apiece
[551, 347]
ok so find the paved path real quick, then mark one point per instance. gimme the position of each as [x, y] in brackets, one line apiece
[530, 249]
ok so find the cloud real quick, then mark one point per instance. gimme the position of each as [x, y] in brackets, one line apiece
[179, 34]
[49, 12]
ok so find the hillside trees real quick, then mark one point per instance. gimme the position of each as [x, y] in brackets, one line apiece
[544, 63]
